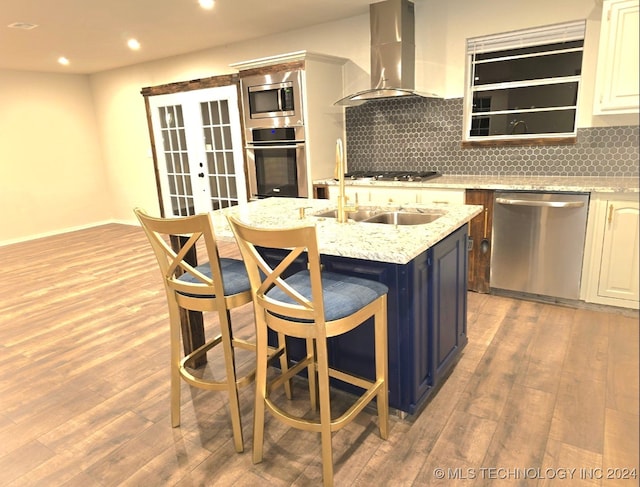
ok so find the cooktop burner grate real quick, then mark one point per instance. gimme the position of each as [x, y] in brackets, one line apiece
[393, 175]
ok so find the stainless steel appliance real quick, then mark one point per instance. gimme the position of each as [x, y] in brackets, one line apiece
[538, 242]
[272, 99]
[276, 162]
[275, 134]
[405, 176]
[392, 53]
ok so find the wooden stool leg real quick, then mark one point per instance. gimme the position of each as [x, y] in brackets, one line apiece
[382, 398]
[325, 412]
[261, 389]
[176, 381]
[312, 375]
[232, 387]
[284, 364]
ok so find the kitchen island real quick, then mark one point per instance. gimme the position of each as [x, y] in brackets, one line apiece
[423, 265]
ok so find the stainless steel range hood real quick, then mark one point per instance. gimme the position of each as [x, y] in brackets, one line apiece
[392, 53]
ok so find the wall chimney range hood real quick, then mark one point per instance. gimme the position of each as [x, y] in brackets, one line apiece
[392, 24]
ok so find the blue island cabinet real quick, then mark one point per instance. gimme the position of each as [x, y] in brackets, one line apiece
[427, 324]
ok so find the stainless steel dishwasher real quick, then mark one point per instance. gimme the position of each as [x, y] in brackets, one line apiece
[538, 242]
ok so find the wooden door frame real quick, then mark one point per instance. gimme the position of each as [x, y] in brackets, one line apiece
[181, 87]
[192, 321]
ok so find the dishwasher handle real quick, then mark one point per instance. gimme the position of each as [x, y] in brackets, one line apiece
[548, 204]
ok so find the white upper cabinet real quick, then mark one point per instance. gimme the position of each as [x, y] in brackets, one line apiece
[617, 81]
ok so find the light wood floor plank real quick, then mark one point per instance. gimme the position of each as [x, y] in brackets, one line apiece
[84, 388]
[521, 435]
[580, 466]
[623, 367]
[621, 452]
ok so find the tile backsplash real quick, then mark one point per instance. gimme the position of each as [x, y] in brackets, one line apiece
[421, 134]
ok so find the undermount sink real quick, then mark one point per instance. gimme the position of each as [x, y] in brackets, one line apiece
[388, 217]
[356, 215]
[403, 218]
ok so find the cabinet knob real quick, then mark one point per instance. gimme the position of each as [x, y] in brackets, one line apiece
[200, 174]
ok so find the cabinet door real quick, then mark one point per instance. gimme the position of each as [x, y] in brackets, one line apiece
[479, 232]
[448, 300]
[376, 195]
[352, 193]
[617, 80]
[442, 196]
[403, 195]
[407, 195]
[198, 143]
[619, 265]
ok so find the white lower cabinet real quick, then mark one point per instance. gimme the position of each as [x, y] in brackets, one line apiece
[405, 195]
[442, 196]
[610, 272]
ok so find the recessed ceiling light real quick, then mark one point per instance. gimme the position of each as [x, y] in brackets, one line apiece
[206, 4]
[133, 44]
[22, 25]
[63, 60]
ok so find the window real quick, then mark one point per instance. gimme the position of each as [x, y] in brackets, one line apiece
[524, 85]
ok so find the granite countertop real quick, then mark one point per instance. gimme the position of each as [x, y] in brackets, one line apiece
[370, 241]
[579, 184]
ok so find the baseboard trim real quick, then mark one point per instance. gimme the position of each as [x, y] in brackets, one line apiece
[60, 231]
[571, 303]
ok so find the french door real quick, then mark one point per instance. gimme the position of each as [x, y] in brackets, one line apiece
[198, 142]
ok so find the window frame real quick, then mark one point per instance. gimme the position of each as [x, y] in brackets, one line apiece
[537, 36]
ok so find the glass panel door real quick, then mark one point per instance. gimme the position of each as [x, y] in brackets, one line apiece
[199, 148]
[221, 164]
[176, 161]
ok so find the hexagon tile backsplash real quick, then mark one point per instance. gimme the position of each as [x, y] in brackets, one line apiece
[420, 134]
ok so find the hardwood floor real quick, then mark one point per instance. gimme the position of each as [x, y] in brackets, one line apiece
[84, 390]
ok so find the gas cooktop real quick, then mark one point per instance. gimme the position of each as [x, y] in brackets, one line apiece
[409, 176]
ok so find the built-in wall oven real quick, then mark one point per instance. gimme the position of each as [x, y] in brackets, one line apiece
[274, 133]
[276, 162]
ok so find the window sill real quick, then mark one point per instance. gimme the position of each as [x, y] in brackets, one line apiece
[520, 142]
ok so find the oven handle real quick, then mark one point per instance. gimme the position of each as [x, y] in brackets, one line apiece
[283, 146]
[552, 204]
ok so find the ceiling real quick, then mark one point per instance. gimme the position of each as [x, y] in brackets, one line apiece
[93, 34]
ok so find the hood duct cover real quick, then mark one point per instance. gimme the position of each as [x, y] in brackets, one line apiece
[392, 24]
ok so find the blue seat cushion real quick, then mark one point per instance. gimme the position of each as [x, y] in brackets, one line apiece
[234, 277]
[343, 295]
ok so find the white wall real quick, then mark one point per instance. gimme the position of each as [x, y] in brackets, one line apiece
[107, 171]
[52, 175]
[120, 106]
[471, 19]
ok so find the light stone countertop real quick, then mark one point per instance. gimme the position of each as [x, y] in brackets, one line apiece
[574, 184]
[370, 241]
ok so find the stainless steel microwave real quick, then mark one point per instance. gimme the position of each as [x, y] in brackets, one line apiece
[272, 99]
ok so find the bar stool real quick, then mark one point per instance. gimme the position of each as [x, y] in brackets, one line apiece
[314, 306]
[218, 285]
